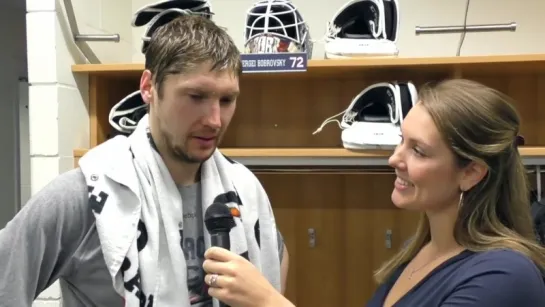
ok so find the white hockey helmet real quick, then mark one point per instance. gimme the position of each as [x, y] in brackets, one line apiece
[125, 115]
[160, 13]
[373, 118]
[363, 28]
[146, 13]
[274, 26]
[158, 21]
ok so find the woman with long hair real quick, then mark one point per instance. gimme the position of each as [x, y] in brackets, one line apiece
[458, 164]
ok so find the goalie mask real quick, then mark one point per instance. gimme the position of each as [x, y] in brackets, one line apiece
[373, 118]
[125, 115]
[363, 28]
[274, 26]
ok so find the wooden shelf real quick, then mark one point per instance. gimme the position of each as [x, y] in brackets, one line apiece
[329, 156]
[474, 65]
[261, 120]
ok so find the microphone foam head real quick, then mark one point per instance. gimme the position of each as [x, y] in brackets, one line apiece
[218, 217]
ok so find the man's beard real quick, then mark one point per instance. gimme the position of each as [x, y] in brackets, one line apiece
[179, 152]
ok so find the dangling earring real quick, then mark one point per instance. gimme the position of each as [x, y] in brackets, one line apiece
[461, 202]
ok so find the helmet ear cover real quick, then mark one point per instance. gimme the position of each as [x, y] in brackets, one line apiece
[363, 28]
[373, 118]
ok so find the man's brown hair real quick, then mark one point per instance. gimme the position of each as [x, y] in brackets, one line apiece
[186, 42]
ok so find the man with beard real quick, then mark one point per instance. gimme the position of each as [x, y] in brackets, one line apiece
[126, 228]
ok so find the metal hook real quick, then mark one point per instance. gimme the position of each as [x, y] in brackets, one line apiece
[512, 26]
[97, 37]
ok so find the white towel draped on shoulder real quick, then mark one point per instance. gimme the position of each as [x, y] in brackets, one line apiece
[138, 207]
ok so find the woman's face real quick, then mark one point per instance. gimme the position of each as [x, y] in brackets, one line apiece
[427, 176]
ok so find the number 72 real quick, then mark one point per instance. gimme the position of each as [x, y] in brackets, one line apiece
[296, 61]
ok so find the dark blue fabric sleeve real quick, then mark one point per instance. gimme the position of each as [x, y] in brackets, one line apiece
[502, 279]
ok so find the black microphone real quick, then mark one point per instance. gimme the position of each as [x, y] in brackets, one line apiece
[219, 221]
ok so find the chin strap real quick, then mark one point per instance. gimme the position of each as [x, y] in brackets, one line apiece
[349, 116]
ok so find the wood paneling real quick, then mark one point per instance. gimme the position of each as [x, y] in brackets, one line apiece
[528, 94]
[281, 113]
[350, 215]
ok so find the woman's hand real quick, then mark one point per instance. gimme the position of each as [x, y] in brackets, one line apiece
[237, 282]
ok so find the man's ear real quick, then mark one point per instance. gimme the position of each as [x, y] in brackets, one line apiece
[146, 86]
[472, 174]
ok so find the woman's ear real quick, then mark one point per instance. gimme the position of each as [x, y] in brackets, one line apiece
[472, 174]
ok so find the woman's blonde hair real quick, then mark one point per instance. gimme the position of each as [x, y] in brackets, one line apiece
[480, 124]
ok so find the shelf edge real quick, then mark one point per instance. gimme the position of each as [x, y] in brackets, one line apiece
[331, 157]
[362, 63]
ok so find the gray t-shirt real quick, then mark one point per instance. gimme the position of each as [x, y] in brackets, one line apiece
[193, 245]
[54, 238]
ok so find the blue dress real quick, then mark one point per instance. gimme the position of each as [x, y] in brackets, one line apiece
[499, 278]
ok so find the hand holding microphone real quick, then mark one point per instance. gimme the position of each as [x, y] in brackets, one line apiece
[219, 221]
[233, 280]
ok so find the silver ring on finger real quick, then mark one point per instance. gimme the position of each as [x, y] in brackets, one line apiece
[214, 280]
